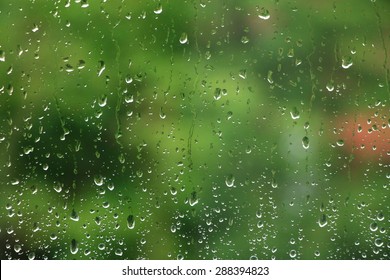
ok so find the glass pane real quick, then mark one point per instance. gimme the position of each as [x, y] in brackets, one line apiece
[194, 129]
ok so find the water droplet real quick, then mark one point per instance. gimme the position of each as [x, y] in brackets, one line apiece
[229, 180]
[269, 77]
[183, 38]
[340, 143]
[217, 94]
[101, 67]
[130, 222]
[99, 180]
[15, 182]
[81, 64]
[180, 257]
[378, 242]
[193, 199]
[102, 100]
[17, 248]
[158, 9]
[118, 252]
[264, 14]
[380, 216]
[74, 216]
[2, 55]
[31, 256]
[58, 187]
[346, 62]
[305, 142]
[35, 28]
[274, 184]
[330, 86]
[84, 4]
[69, 68]
[244, 39]
[322, 221]
[293, 253]
[294, 113]
[128, 79]
[242, 74]
[74, 246]
[374, 226]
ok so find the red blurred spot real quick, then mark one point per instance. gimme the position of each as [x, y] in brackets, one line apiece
[366, 136]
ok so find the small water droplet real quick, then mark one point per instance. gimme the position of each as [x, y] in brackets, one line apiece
[158, 10]
[305, 142]
[346, 62]
[229, 180]
[294, 113]
[217, 94]
[69, 68]
[330, 86]
[244, 39]
[58, 187]
[264, 14]
[193, 199]
[183, 38]
[130, 222]
[102, 100]
[101, 67]
[99, 180]
[74, 246]
[128, 79]
[81, 64]
[31, 256]
[2, 55]
[293, 253]
[340, 142]
[322, 221]
[84, 4]
[274, 184]
[17, 248]
[380, 216]
[101, 246]
[74, 216]
[378, 242]
[35, 28]
[118, 252]
[373, 226]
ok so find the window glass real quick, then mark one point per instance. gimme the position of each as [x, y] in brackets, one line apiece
[194, 129]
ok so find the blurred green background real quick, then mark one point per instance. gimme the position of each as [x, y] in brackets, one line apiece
[194, 129]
